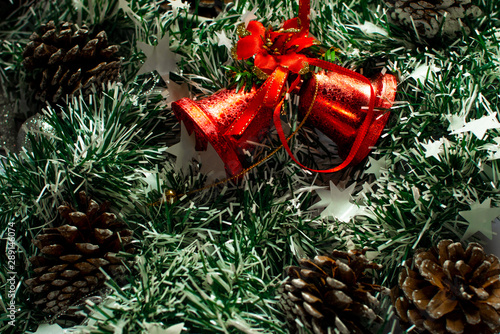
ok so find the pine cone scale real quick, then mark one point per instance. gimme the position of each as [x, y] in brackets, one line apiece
[455, 325]
[49, 37]
[463, 268]
[472, 315]
[53, 250]
[338, 298]
[88, 50]
[69, 273]
[422, 297]
[416, 318]
[481, 269]
[59, 267]
[312, 311]
[493, 301]
[456, 252]
[53, 294]
[59, 282]
[40, 288]
[490, 281]
[48, 277]
[69, 289]
[440, 305]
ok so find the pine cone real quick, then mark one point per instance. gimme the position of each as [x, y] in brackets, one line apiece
[72, 254]
[428, 16]
[65, 60]
[331, 294]
[205, 8]
[449, 290]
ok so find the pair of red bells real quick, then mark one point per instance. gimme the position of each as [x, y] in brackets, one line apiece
[340, 104]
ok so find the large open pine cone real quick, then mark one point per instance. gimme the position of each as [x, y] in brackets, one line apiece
[433, 16]
[331, 294]
[65, 60]
[449, 290]
[72, 254]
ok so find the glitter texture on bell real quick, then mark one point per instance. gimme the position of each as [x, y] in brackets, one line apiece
[341, 106]
[212, 117]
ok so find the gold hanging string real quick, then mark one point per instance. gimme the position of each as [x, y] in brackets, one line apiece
[171, 196]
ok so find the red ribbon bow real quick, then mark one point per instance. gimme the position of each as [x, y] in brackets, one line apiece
[273, 49]
[277, 53]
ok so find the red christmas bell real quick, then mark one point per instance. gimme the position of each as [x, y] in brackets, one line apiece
[210, 118]
[341, 105]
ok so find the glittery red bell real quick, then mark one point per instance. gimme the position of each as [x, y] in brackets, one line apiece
[341, 106]
[211, 117]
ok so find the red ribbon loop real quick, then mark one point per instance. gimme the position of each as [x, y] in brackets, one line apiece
[361, 133]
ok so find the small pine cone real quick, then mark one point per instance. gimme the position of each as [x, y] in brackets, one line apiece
[433, 16]
[64, 61]
[205, 8]
[68, 268]
[331, 294]
[449, 290]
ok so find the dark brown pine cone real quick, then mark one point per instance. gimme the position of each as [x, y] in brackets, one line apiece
[430, 17]
[204, 8]
[331, 294]
[64, 61]
[449, 290]
[68, 268]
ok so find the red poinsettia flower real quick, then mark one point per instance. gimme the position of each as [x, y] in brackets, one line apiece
[275, 48]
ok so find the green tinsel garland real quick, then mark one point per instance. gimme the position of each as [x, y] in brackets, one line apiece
[213, 261]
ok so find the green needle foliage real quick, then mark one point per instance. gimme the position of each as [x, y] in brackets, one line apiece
[212, 260]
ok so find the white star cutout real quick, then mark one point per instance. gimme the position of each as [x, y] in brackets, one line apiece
[223, 40]
[433, 148]
[158, 328]
[493, 149]
[337, 202]
[421, 72]
[49, 329]
[178, 4]
[174, 92]
[366, 189]
[212, 165]
[480, 217]
[159, 58]
[123, 4]
[369, 28]
[249, 16]
[184, 151]
[479, 126]
[376, 166]
[456, 122]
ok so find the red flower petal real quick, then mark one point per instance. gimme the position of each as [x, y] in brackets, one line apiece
[293, 61]
[248, 46]
[266, 62]
[301, 43]
[256, 28]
